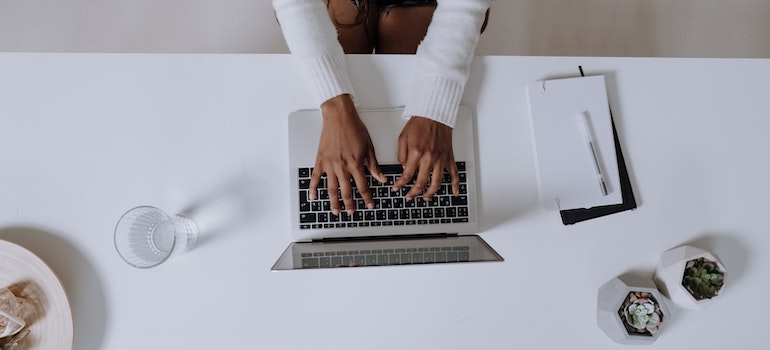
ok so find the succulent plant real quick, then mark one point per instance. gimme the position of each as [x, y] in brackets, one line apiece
[702, 278]
[643, 315]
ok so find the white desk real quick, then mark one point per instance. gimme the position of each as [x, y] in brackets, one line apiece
[85, 137]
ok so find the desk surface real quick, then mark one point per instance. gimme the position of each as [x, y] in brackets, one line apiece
[85, 137]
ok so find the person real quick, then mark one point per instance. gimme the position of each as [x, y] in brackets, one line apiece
[442, 33]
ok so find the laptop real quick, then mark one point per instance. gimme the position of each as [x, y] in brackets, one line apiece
[396, 232]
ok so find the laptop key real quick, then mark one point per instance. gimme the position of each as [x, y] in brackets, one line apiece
[371, 260]
[459, 200]
[306, 218]
[359, 260]
[391, 169]
[308, 263]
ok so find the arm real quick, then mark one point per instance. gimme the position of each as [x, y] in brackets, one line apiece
[345, 148]
[444, 59]
[443, 66]
[312, 40]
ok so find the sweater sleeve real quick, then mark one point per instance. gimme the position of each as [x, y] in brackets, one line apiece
[444, 58]
[312, 40]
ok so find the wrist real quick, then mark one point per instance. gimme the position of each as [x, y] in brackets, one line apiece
[339, 107]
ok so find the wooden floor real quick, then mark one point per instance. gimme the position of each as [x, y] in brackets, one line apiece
[654, 28]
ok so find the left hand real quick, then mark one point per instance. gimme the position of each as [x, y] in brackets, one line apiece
[425, 149]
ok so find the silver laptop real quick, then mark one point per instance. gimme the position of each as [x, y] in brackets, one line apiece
[396, 231]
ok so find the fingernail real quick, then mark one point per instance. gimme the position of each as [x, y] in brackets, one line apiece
[351, 211]
[370, 206]
[335, 212]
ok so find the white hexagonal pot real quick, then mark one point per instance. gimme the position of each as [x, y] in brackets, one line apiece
[613, 314]
[670, 273]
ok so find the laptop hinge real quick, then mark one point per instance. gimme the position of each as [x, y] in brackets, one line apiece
[386, 238]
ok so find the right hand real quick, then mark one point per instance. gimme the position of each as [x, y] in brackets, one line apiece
[345, 149]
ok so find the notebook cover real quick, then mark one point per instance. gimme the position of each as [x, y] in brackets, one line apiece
[567, 178]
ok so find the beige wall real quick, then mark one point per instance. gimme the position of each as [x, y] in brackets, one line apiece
[677, 28]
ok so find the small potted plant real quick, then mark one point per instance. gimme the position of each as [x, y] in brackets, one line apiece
[691, 277]
[641, 313]
[630, 310]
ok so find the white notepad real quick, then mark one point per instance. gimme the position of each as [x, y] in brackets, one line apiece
[566, 168]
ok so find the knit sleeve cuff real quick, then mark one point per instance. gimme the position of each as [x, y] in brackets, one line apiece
[329, 76]
[437, 98]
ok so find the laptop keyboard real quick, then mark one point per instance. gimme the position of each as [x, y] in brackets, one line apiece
[390, 208]
[382, 257]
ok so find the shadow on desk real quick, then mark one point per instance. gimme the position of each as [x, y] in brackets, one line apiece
[77, 275]
[226, 208]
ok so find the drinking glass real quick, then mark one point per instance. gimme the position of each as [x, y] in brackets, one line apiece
[146, 236]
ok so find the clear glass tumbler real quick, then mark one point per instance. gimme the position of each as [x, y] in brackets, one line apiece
[146, 236]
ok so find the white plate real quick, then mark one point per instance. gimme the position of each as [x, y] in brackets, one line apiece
[50, 325]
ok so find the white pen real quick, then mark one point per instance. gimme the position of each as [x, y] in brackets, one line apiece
[589, 138]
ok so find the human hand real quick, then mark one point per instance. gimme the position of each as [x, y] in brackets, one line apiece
[345, 149]
[425, 148]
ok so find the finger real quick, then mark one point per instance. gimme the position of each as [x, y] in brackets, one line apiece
[435, 181]
[406, 176]
[333, 187]
[423, 175]
[402, 159]
[454, 176]
[374, 168]
[403, 149]
[346, 191]
[363, 188]
[315, 179]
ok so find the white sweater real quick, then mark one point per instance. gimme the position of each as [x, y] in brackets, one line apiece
[443, 58]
